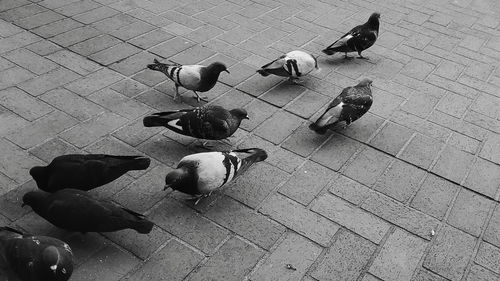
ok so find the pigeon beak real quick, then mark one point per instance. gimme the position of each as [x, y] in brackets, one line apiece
[246, 117]
[22, 205]
[167, 186]
[227, 71]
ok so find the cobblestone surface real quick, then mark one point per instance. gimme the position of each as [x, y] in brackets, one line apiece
[410, 191]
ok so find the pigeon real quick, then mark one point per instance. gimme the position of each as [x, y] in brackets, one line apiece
[201, 173]
[192, 77]
[210, 122]
[358, 39]
[76, 210]
[347, 107]
[293, 65]
[35, 258]
[85, 171]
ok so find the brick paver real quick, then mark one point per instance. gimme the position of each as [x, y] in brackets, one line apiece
[408, 192]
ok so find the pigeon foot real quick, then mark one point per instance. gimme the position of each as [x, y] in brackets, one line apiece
[295, 81]
[198, 98]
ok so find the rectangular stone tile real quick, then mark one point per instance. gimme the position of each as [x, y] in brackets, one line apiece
[129, 87]
[18, 40]
[364, 128]
[484, 178]
[39, 19]
[349, 190]
[74, 105]
[450, 253]
[391, 138]
[31, 61]
[10, 121]
[120, 104]
[491, 148]
[110, 263]
[171, 47]
[94, 45]
[164, 149]
[151, 38]
[278, 127]
[75, 62]
[400, 181]
[135, 133]
[187, 224]
[23, 104]
[76, 35]
[132, 30]
[399, 256]
[233, 261]
[336, 151]
[464, 142]
[421, 151]
[256, 184]
[345, 258]
[22, 12]
[17, 162]
[294, 250]
[95, 15]
[434, 196]
[77, 7]
[114, 54]
[53, 148]
[48, 81]
[13, 76]
[303, 141]
[133, 64]
[469, 212]
[453, 164]
[245, 222]
[164, 265]
[259, 111]
[307, 182]
[489, 257]
[92, 129]
[367, 166]
[56, 27]
[478, 273]
[43, 128]
[139, 244]
[420, 104]
[426, 275]
[94, 82]
[492, 235]
[43, 48]
[295, 216]
[401, 215]
[352, 217]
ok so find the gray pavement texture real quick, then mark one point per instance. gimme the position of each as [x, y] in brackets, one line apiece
[408, 192]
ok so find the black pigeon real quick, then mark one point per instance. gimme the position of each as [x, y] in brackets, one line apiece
[358, 39]
[192, 77]
[201, 173]
[210, 122]
[293, 65]
[85, 171]
[347, 107]
[35, 258]
[76, 210]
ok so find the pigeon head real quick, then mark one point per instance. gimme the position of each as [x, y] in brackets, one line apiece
[365, 83]
[373, 21]
[239, 113]
[40, 175]
[175, 178]
[55, 265]
[217, 67]
[35, 199]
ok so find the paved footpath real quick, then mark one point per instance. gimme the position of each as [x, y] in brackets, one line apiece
[408, 192]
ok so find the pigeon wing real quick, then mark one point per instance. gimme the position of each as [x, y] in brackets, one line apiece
[346, 38]
[189, 77]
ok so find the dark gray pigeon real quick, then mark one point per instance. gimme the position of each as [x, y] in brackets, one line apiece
[293, 65]
[76, 210]
[347, 107]
[85, 171]
[201, 173]
[357, 39]
[35, 258]
[210, 122]
[197, 78]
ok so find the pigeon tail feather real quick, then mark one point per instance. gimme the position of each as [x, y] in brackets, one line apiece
[139, 163]
[318, 129]
[329, 51]
[143, 226]
[158, 66]
[263, 72]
